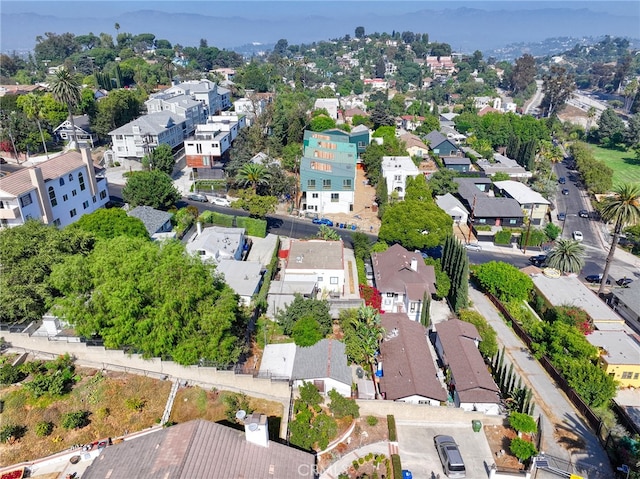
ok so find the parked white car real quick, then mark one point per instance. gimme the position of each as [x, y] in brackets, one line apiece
[577, 235]
[220, 201]
[473, 246]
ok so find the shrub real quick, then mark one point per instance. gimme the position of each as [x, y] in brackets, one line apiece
[103, 413]
[522, 449]
[391, 425]
[372, 420]
[522, 422]
[253, 226]
[535, 237]
[324, 428]
[135, 403]
[12, 432]
[502, 237]
[503, 280]
[488, 346]
[75, 420]
[552, 231]
[397, 465]
[309, 394]
[341, 406]
[11, 374]
[43, 429]
[234, 402]
[306, 331]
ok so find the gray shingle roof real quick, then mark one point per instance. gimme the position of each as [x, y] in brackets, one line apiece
[630, 296]
[435, 138]
[153, 124]
[456, 160]
[487, 207]
[153, 219]
[392, 273]
[198, 450]
[325, 359]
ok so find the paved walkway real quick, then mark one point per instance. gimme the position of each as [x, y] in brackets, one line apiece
[556, 411]
[343, 464]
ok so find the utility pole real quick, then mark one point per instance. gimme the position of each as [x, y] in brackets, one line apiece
[473, 208]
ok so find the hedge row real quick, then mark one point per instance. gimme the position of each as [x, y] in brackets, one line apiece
[253, 226]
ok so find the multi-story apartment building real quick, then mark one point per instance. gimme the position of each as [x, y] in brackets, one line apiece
[57, 191]
[208, 147]
[327, 173]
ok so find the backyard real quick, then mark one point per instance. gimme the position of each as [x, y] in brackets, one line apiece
[623, 163]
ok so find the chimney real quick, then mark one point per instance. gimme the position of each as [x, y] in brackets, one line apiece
[414, 264]
[87, 159]
[199, 228]
[42, 195]
[256, 429]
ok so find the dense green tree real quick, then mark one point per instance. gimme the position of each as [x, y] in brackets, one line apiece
[441, 182]
[503, 280]
[108, 223]
[306, 331]
[359, 32]
[33, 108]
[622, 209]
[611, 128]
[415, 224]
[150, 188]
[489, 343]
[302, 307]
[66, 90]
[362, 335]
[154, 298]
[117, 109]
[523, 73]
[632, 133]
[258, 206]
[253, 175]
[161, 159]
[591, 383]
[567, 256]
[322, 123]
[55, 48]
[310, 395]
[417, 189]
[558, 85]
[342, 407]
[28, 254]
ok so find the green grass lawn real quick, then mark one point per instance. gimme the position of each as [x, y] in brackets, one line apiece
[626, 168]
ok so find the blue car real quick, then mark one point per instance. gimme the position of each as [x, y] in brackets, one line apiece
[322, 221]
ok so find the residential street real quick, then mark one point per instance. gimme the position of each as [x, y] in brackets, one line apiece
[559, 418]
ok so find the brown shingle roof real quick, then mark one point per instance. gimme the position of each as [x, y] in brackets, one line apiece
[198, 450]
[20, 182]
[472, 379]
[408, 368]
[392, 273]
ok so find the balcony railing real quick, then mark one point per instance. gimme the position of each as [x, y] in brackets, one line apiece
[9, 213]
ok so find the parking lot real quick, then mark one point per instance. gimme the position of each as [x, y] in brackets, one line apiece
[419, 455]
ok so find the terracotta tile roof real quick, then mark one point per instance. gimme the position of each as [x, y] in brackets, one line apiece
[20, 182]
[392, 273]
[408, 368]
[198, 450]
[472, 379]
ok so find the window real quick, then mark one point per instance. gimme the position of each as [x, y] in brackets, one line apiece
[361, 144]
[119, 137]
[70, 177]
[314, 195]
[333, 280]
[316, 165]
[325, 155]
[72, 213]
[52, 196]
[74, 193]
[311, 184]
[627, 375]
[335, 197]
[65, 197]
[482, 220]
[56, 222]
[199, 148]
[103, 194]
[412, 306]
[326, 184]
[205, 160]
[2, 205]
[346, 184]
[94, 198]
[635, 376]
[85, 205]
[397, 177]
[61, 181]
[319, 279]
[25, 200]
[81, 181]
[390, 295]
[513, 222]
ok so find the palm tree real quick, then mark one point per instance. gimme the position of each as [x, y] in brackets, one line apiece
[253, 174]
[623, 208]
[369, 333]
[65, 89]
[31, 104]
[567, 256]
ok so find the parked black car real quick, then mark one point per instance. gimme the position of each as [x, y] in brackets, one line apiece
[538, 260]
[596, 279]
[583, 214]
[565, 191]
[624, 282]
[562, 180]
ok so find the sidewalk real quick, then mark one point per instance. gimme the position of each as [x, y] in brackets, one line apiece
[564, 432]
[343, 464]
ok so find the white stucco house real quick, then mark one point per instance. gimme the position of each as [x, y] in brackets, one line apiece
[319, 261]
[396, 170]
[217, 243]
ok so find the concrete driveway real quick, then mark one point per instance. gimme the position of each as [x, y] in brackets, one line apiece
[418, 454]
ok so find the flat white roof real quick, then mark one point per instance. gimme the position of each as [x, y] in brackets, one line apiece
[278, 359]
[521, 192]
[619, 347]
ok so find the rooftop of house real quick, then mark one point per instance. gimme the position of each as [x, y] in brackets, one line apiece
[521, 192]
[152, 218]
[316, 255]
[198, 449]
[569, 290]
[630, 296]
[618, 347]
[472, 379]
[448, 202]
[325, 359]
[413, 141]
[81, 122]
[20, 182]
[217, 240]
[242, 276]
[393, 271]
[455, 160]
[407, 363]
[390, 163]
[151, 124]
[435, 138]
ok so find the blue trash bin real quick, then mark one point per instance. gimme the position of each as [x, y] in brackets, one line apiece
[406, 474]
[353, 227]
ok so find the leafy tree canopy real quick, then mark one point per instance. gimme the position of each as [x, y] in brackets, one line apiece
[150, 188]
[503, 280]
[108, 223]
[415, 224]
[301, 307]
[154, 298]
